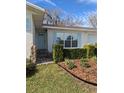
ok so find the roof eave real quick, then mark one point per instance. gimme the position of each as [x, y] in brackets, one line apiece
[66, 28]
[35, 6]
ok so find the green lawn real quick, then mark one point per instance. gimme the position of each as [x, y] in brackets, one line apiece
[51, 78]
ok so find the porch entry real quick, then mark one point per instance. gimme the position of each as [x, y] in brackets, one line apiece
[42, 40]
[42, 54]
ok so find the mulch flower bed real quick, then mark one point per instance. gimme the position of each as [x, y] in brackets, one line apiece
[83, 73]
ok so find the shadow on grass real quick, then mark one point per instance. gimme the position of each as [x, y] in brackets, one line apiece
[31, 71]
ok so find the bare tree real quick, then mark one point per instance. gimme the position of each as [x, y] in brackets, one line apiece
[92, 19]
[72, 20]
[54, 17]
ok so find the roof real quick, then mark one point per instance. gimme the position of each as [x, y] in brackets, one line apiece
[70, 28]
[34, 6]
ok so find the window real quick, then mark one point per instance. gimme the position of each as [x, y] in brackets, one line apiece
[68, 40]
[74, 40]
[60, 38]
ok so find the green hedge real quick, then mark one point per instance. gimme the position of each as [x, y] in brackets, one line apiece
[57, 53]
[75, 53]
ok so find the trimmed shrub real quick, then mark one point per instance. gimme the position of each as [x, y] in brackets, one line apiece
[90, 50]
[75, 53]
[57, 53]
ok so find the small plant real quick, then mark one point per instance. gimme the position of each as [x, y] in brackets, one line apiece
[67, 61]
[86, 65]
[71, 65]
[84, 62]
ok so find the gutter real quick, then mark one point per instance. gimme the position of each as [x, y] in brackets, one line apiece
[35, 6]
[69, 28]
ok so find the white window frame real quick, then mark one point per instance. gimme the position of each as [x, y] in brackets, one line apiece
[71, 39]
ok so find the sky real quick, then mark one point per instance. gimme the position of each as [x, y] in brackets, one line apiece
[79, 8]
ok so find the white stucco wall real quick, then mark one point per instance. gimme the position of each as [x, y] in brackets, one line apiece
[83, 40]
[90, 37]
[50, 34]
[29, 34]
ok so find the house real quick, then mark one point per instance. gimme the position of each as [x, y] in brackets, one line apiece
[44, 36]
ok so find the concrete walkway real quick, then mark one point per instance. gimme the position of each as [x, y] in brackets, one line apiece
[49, 62]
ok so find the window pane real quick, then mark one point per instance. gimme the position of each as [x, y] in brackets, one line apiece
[68, 38]
[74, 40]
[74, 43]
[67, 43]
[59, 38]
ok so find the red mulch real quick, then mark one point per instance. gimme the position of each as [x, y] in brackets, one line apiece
[86, 74]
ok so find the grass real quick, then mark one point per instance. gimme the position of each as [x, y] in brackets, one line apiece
[51, 79]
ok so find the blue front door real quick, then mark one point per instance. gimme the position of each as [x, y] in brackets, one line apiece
[42, 40]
